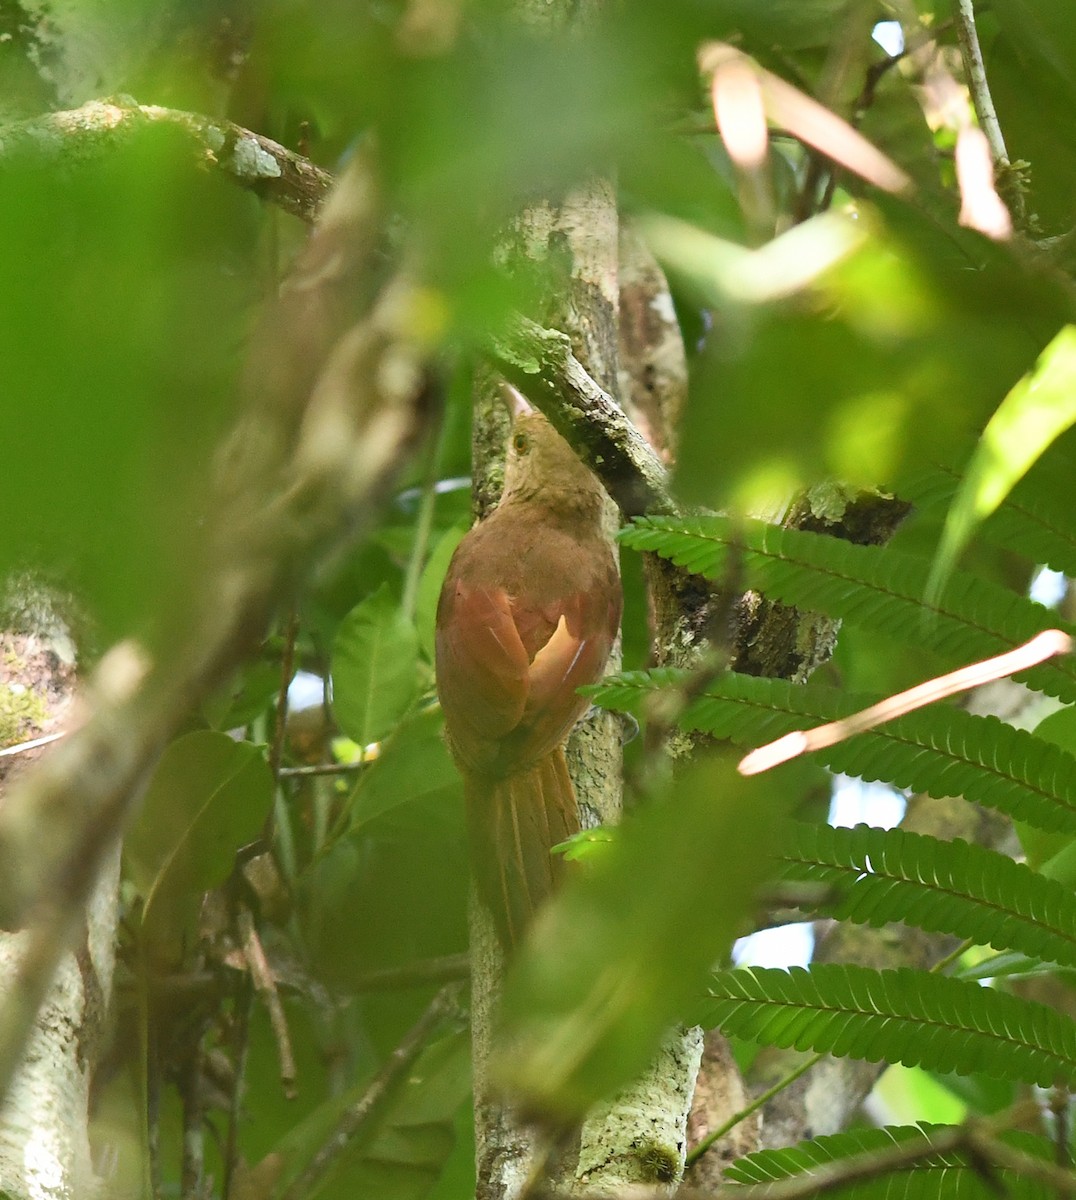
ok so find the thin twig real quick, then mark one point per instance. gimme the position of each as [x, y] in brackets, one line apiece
[418, 974]
[265, 985]
[314, 769]
[1039, 648]
[287, 670]
[975, 69]
[243, 1003]
[443, 1007]
[192, 1170]
[760, 1101]
[32, 744]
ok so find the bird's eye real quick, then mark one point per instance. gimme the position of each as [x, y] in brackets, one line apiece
[521, 443]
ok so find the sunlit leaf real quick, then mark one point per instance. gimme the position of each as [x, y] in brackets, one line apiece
[723, 270]
[1040, 408]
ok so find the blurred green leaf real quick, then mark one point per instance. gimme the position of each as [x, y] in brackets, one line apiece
[589, 844]
[208, 797]
[1032, 416]
[1045, 31]
[724, 271]
[618, 955]
[789, 24]
[1030, 102]
[126, 283]
[896, 123]
[394, 886]
[897, 354]
[373, 668]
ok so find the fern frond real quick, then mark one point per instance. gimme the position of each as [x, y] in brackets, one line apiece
[1035, 519]
[903, 1016]
[877, 876]
[869, 586]
[942, 750]
[942, 1174]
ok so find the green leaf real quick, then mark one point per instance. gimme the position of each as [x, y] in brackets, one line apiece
[413, 765]
[936, 1175]
[897, 354]
[399, 1155]
[250, 695]
[208, 797]
[1033, 415]
[1043, 29]
[612, 961]
[878, 876]
[373, 668]
[903, 1016]
[108, 418]
[869, 586]
[1051, 852]
[1034, 520]
[941, 750]
[429, 587]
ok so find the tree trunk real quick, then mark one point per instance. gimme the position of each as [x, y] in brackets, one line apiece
[44, 1120]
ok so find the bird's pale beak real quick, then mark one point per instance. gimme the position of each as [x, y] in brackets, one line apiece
[514, 400]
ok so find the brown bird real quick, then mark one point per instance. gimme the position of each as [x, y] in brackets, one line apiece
[528, 613]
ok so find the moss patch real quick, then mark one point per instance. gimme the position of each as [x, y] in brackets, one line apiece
[22, 711]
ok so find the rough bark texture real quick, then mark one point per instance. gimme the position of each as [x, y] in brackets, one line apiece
[582, 231]
[44, 1121]
[100, 127]
[653, 370]
[720, 1094]
[638, 1138]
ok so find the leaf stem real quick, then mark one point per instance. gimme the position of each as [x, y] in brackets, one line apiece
[759, 1101]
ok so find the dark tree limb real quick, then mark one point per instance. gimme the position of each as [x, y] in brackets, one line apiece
[275, 173]
[540, 362]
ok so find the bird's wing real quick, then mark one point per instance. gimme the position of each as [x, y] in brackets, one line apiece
[482, 666]
[574, 655]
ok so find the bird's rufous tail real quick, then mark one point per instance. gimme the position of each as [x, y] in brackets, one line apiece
[514, 822]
